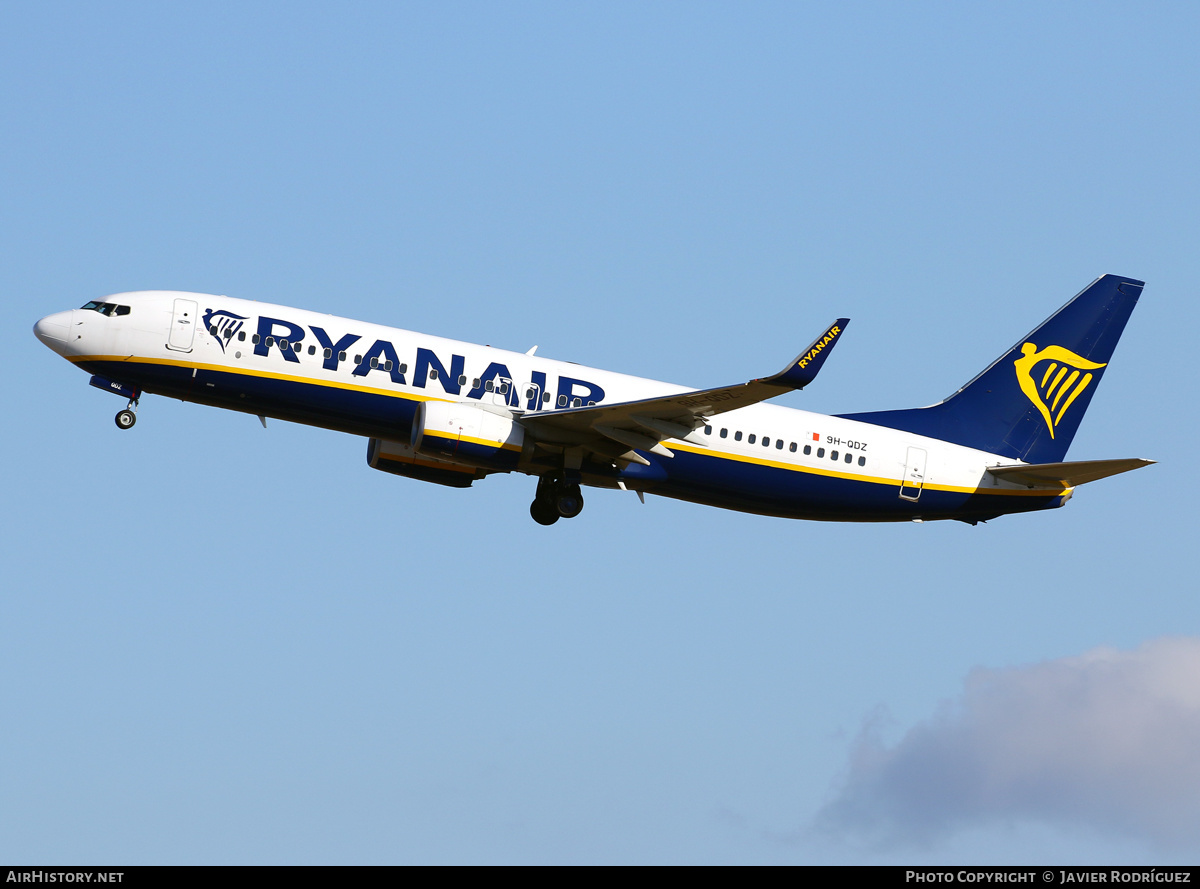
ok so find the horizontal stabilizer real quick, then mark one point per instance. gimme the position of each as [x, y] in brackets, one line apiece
[1067, 474]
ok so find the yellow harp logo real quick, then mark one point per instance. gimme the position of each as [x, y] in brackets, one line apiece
[1063, 380]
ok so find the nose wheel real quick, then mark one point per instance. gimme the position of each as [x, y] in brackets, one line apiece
[126, 418]
[555, 499]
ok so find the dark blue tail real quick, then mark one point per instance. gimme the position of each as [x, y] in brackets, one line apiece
[1028, 403]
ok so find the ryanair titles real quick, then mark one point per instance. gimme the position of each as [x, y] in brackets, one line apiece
[495, 381]
[819, 346]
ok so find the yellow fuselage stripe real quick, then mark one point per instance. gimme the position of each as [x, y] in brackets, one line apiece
[673, 445]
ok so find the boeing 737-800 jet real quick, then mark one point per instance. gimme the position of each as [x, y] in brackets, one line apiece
[451, 412]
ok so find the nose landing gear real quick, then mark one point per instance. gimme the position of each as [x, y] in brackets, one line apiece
[556, 498]
[127, 417]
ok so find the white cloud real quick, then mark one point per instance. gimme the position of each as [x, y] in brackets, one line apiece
[1109, 739]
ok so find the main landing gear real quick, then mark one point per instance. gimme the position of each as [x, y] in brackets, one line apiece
[556, 498]
[126, 418]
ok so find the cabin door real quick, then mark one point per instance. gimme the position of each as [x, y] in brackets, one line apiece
[183, 326]
[914, 475]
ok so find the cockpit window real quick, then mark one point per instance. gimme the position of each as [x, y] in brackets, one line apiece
[109, 309]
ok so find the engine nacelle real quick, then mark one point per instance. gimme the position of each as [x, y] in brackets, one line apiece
[467, 433]
[400, 459]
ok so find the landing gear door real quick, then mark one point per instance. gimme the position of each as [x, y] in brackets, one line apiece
[183, 326]
[914, 475]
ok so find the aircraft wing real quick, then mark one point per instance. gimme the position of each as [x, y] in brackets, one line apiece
[617, 430]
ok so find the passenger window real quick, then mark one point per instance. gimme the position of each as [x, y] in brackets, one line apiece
[737, 436]
[228, 334]
[283, 345]
[779, 444]
[807, 450]
[387, 365]
[750, 438]
[546, 397]
[792, 447]
[254, 339]
[341, 356]
[489, 386]
[708, 430]
[862, 461]
[576, 402]
[833, 455]
[591, 404]
[820, 452]
[849, 458]
[403, 368]
[312, 350]
[328, 353]
[766, 442]
[270, 341]
[433, 373]
[358, 359]
[374, 363]
[242, 336]
[529, 393]
[503, 387]
[562, 401]
[213, 330]
[462, 379]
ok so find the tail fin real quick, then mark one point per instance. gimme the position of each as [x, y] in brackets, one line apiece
[1028, 403]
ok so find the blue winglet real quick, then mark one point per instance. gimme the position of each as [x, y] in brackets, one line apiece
[805, 366]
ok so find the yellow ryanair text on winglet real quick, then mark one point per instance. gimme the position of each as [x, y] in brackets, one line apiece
[829, 337]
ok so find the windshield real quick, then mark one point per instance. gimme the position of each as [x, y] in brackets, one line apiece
[107, 308]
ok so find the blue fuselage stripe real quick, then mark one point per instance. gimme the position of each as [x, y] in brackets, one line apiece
[710, 478]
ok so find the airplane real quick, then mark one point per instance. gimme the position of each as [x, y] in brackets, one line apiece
[451, 412]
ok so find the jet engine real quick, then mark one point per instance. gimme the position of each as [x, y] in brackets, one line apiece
[468, 433]
[399, 459]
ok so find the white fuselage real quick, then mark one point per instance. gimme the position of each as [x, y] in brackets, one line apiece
[206, 348]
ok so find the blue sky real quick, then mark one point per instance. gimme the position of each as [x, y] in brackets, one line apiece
[225, 645]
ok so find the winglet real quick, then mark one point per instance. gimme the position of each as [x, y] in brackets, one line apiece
[805, 366]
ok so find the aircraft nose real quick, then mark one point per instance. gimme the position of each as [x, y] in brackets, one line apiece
[52, 330]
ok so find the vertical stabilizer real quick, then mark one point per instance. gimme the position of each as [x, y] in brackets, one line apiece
[1028, 403]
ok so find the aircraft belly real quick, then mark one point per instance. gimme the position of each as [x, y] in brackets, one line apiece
[345, 410]
[795, 493]
[788, 491]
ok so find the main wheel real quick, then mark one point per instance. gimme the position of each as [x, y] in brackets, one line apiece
[568, 501]
[543, 513]
[125, 419]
